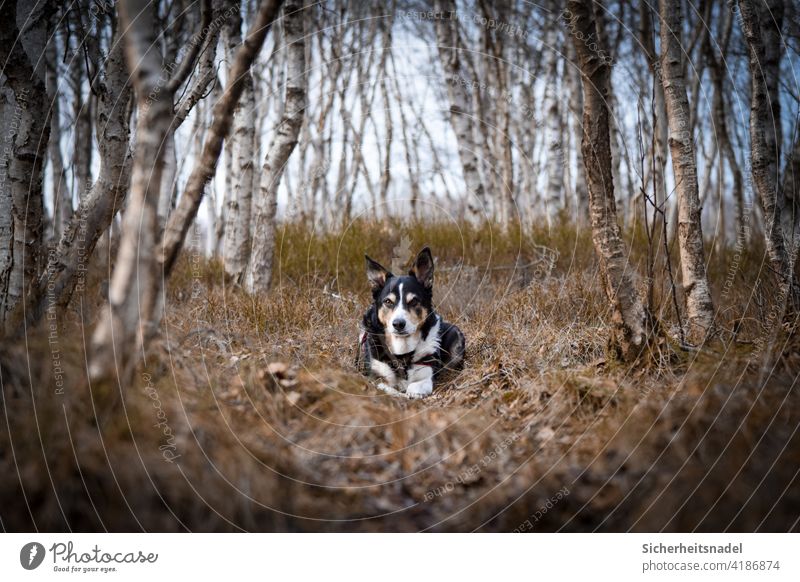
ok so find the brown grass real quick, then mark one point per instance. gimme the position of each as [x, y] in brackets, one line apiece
[275, 430]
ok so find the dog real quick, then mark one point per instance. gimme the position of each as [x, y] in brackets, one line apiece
[403, 341]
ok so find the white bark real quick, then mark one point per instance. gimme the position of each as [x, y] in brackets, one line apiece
[237, 216]
[699, 308]
[67, 266]
[554, 190]
[283, 143]
[124, 326]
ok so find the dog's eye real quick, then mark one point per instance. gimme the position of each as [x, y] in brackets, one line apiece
[413, 303]
[388, 303]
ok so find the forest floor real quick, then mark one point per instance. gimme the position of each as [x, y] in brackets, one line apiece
[248, 414]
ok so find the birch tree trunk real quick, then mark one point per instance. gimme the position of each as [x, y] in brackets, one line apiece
[283, 143]
[699, 308]
[611, 44]
[576, 109]
[205, 43]
[236, 245]
[450, 49]
[26, 130]
[629, 333]
[554, 191]
[386, 175]
[658, 109]
[82, 130]
[720, 117]
[232, 38]
[135, 284]
[498, 115]
[763, 148]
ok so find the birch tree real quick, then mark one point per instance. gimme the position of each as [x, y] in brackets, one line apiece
[110, 82]
[25, 131]
[721, 122]
[554, 189]
[81, 105]
[629, 333]
[135, 284]
[573, 76]
[658, 108]
[461, 114]
[283, 143]
[503, 156]
[238, 202]
[67, 266]
[763, 148]
[202, 46]
[699, 308]
[206, 164]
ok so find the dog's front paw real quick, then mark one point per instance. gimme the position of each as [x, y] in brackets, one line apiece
[382, 386]
[420, 389]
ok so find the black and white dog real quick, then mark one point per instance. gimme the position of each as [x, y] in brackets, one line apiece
[403, 341]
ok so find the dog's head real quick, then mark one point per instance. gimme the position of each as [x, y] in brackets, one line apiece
[403, 304]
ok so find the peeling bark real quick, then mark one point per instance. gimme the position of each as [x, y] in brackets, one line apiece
[763, 149]
[67, 265]
[699, 308]
[25, 131]
[238, 204]
[629, 334]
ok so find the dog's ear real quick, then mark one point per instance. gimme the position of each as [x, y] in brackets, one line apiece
[377, 274]
[423, 268]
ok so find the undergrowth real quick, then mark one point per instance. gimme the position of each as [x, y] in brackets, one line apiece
[270, 427]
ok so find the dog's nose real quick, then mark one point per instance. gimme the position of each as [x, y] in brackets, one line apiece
[399, 324]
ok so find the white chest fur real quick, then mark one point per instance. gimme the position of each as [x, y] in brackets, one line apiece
[419, 380]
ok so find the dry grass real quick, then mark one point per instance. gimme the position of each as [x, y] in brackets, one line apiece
[275, 430]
